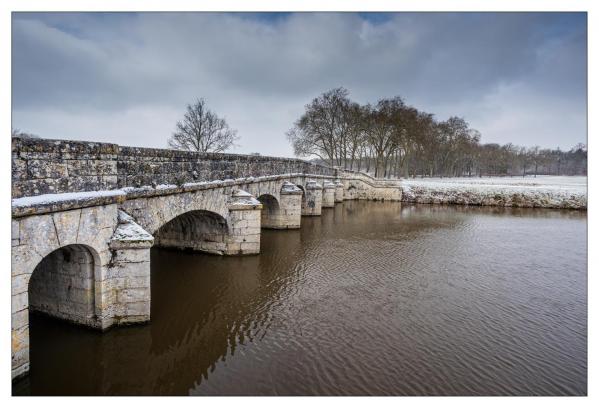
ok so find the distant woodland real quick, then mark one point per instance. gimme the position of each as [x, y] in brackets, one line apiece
[393, 139]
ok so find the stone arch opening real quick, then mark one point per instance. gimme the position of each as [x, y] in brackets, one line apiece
[271, 211]
[62, 285]
[197, 230]
[352, 191]
[304, 201]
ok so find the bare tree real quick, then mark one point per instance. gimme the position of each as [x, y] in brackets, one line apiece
[201, 130]
[322, 130]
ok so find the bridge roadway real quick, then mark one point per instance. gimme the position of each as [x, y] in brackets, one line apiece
[83, 222]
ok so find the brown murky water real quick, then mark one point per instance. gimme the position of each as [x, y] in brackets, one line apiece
[370, 298]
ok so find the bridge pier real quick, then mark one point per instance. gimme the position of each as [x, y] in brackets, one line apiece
[328, 195]
[125, 288]
[85, 257]
[89, 266]
[338, 191]
[291, 205]
[312, 204]
[244, 225]
[287, 212]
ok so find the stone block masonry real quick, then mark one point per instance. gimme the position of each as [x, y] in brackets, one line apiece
[312, 203]
[286, 212]
[125, 288]
[62, 285]
[244, 225]
[338, 191]
[291, 206]
[328, 195]
[43, 166]
[85, 215]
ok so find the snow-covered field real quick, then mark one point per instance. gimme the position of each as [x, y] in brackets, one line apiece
[540, 191]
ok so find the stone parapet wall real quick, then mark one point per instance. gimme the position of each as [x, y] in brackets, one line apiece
[143, 166]
[43, 166]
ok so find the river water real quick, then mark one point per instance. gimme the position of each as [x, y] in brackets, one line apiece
[370, 298]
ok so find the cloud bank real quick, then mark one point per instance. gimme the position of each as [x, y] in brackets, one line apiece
[126, 78]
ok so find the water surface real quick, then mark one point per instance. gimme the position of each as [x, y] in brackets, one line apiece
[369, 299]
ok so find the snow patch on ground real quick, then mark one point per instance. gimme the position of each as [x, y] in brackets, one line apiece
[541, 191]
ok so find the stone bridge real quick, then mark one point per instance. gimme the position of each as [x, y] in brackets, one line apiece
[85, 215]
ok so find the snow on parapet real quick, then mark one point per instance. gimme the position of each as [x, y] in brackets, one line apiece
[165, 186]
[46, 199]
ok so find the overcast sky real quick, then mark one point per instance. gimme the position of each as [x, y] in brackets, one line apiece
[126, 78]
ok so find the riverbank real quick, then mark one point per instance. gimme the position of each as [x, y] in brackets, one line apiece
[530, 192]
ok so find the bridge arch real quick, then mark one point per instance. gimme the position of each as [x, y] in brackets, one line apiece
[352, 191]
[197, 230]
[63, 284]
[304, 198]
[271, 211]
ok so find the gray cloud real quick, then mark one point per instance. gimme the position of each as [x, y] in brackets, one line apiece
[126, 78]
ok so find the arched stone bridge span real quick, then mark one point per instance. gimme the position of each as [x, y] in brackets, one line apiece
[85, 215]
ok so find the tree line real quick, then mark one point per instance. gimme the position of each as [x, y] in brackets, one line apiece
[387, 139]
[393, 139]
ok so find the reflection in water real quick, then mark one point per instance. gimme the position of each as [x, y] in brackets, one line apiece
[370, 298]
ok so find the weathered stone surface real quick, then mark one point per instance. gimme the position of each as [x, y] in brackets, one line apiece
[62, 285]
[20, 350]
[328, 195]
[312, 201]
[284, 212]
[359, 186]
[62, 202]
[42, 166]
[129, 234]
[338, 191]
[92, 252]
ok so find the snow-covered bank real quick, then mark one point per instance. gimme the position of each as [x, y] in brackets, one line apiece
[542, 191]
